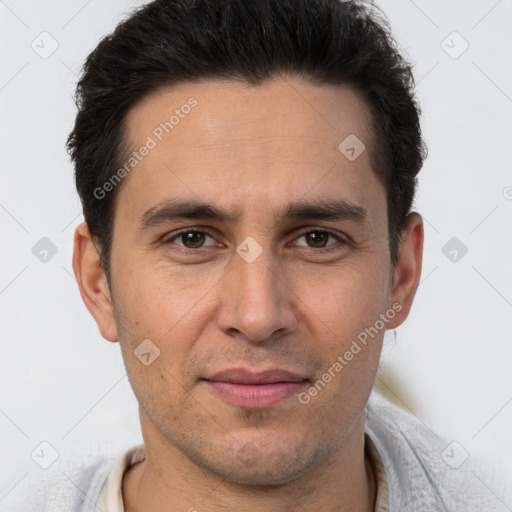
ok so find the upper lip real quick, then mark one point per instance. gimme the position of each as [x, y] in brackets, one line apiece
[248, 376]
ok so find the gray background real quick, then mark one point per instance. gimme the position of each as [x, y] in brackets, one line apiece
[62, 384]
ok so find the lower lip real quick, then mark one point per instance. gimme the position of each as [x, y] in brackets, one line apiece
[256, 396]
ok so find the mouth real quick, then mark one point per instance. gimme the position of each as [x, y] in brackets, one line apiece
[255, 389]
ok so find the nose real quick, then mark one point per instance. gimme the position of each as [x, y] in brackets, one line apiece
[257, 303]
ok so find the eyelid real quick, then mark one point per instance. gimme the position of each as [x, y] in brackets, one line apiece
[310, 229]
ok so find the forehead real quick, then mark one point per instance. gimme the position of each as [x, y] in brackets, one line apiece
[330, 111]
[235, 143]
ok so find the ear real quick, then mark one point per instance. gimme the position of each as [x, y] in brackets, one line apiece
[92, 282]
[406, 277]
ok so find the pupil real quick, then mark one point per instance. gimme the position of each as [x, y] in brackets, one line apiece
[193, 239]
[317, 239]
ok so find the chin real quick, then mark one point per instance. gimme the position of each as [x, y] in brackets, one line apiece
[248, 465]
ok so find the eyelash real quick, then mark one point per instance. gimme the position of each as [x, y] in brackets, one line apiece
[329, 248]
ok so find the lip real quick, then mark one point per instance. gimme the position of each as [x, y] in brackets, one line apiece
[255, 389]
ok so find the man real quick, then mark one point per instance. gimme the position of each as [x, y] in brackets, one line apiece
[247, 171]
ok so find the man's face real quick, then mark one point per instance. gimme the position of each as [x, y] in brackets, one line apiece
[295, 295]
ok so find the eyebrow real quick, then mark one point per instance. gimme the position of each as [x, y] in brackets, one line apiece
[326, 209]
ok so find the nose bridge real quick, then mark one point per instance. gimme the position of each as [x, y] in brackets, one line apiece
[256, 303]
[255, 274]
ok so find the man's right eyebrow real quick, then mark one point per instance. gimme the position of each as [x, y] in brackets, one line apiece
[173, 210]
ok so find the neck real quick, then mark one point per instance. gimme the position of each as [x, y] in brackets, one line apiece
[169, 481]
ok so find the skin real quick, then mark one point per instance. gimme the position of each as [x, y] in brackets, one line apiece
[251, 150]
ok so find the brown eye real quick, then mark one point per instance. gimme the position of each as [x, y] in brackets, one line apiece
[318, 239]
[192, 239]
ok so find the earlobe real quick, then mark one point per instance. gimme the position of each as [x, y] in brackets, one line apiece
[92, 282]
[407, 273]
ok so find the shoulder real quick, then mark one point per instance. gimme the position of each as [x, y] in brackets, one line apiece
[422, 470]
[72, 485]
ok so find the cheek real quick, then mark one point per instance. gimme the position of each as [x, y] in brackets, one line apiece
[158, 302]
[346, 327]
[346, 297]
[160, 315]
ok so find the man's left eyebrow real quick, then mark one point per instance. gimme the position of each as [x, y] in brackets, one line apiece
[327, 210]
